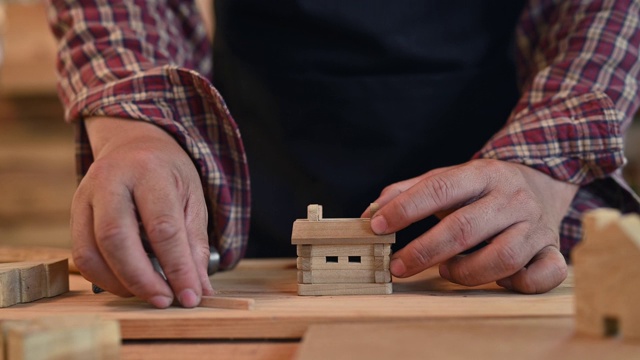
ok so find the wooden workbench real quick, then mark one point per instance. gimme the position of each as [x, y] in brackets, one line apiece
[280, 317]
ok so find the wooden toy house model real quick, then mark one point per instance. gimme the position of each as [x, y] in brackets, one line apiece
[341, 256]
[607, 275]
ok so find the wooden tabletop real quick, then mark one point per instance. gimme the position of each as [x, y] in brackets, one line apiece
[281, 314]
[281, 317]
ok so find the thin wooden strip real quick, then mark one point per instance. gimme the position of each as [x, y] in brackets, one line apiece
[220, 302]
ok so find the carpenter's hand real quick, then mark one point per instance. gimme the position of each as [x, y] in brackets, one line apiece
[141, 171]
[516, 209]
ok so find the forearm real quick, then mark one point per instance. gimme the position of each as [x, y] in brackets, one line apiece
[579, 80]
[579, 76]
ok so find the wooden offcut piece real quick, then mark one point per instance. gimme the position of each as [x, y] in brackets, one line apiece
[60, 337]
[607, 275]
[9, 287]
[341, 256]
[22, 282]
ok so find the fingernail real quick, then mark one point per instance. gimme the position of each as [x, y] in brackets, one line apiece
[397, 267]
[444, 272]
[161, 301]
[188, 298]
[379, 224]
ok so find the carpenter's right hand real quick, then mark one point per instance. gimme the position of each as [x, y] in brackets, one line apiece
[141, 174]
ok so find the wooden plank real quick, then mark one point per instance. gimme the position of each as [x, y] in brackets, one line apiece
[200, 350]
[344, 289]
[495, 339]
[280, 313]
[340, 231]
[62, 337]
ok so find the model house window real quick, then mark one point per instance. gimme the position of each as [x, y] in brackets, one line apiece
[611, 326]
[331, 259]
[355, 259]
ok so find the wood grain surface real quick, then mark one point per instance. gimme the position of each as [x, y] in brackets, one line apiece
[281, 314]
[207, 349]
[496, 339]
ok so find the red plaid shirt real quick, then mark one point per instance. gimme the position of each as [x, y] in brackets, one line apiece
[151, 60]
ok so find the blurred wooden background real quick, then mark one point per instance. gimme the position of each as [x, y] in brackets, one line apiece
[37, 177]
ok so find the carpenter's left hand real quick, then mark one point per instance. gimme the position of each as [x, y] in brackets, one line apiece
[514, 208]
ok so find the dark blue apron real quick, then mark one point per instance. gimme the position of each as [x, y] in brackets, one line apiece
[336, 99]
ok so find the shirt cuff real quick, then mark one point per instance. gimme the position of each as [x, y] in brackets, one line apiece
[576, 139]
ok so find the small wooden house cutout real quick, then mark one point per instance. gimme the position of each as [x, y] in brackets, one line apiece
[607, 275]
[341, 256]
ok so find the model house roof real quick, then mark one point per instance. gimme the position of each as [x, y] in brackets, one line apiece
[337, 231]
[314, 230]
[607, 222]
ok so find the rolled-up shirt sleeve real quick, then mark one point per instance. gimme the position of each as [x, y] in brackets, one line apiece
[151, 61]
[579, 75]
